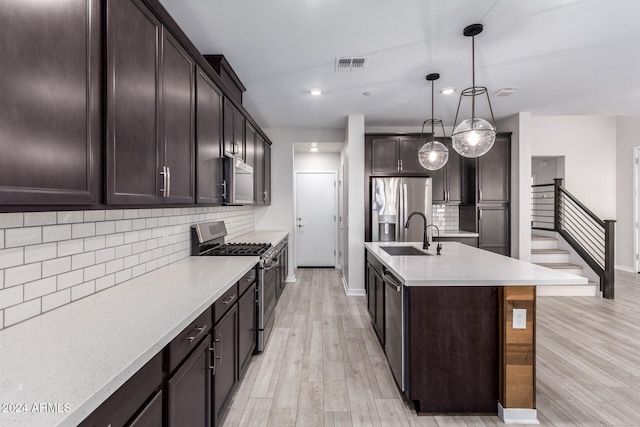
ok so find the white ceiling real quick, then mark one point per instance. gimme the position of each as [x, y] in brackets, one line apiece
[565, 57]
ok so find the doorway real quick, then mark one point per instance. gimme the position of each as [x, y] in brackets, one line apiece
[316, 218]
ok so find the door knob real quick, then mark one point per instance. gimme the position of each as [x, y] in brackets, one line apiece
[299, 219]
[300, 225]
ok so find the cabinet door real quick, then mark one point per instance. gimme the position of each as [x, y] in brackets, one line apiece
[247, 333]
[151, 415]
[178, 120]
[384, 155]
[225, 359]
[208, 141]
[493, 172]
[409, 163]
[227, 131]
[258, 171]
[455, 177]
[133, 38]
[189, 390]
[267, 173]
[439, 184]
[379, 320]
[371, 291]
[50, 102]
[493, 227]
[239, 124]
[250, 146]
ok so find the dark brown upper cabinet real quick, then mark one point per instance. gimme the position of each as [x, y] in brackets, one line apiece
[494, 172]
[396, 155]
[50, 98]
[233, 131]
[208, 141]
[447, 182]
[249, 145]
[150, 110]
[267, 174]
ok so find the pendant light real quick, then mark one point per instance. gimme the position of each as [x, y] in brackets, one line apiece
[475, 136]
[433, 155]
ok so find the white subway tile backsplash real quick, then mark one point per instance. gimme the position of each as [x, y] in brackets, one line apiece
[69, 279]
[83, 290]
[11, 220]
[114, 240]
[22, 274]
[105, 255]
[11, 257]
[55, 233]
[70, 217]
[20, 312]
[41, 252]
[11, 296]
[94, 272]
[56, 299]
[39, 288]
[56, 266]
[94, 243]
[70, 247]
[83, 260]
[22, 236]
[49, 259]
[105, 282]
[93, 216]
[106, 227]
[39, 218]
[86, 229]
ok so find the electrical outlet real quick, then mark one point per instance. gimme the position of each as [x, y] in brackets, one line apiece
[519, 318]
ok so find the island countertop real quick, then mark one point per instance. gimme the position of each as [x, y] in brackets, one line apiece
[462, 265]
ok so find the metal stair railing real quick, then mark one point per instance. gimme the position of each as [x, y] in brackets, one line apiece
[553, 208]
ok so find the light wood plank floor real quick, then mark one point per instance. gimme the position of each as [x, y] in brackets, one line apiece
[323, 365]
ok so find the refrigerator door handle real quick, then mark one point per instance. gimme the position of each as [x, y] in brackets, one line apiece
[403, 216]
[399, 215]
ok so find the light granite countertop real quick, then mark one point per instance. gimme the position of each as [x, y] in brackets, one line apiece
[462, 265]
[77, 355]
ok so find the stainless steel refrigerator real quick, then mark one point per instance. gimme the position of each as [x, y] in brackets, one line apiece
[392, 200]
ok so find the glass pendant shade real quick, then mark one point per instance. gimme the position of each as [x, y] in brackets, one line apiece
[473, 137]
[433, 155]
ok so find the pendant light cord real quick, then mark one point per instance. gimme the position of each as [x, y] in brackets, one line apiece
[433, 132]
[473, 79]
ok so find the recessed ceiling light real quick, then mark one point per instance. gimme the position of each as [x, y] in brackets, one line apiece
[314, 149]
[366, 93]
[447, 90]
[315, 92]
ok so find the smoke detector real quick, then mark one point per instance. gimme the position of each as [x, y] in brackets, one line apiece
[351, 64]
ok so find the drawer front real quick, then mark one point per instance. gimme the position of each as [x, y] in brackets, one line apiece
[189, 338]
[225, 302]
[126, 401]
[246, 281]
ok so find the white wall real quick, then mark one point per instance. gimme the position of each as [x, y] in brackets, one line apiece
[589, 146]
[279, 215]
[520, 126]
[316, 161]
[546, 169]
[355, 202]
[627, 138]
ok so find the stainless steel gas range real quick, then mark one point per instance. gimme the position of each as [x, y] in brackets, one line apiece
[208, 239]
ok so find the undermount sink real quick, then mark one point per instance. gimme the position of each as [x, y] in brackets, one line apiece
[403, 250]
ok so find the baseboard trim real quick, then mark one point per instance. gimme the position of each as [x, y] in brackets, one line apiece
[291, 278]
[352, 292]
[518, 415]
[625, 268]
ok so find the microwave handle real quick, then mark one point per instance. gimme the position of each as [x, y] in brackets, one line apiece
[224, 189]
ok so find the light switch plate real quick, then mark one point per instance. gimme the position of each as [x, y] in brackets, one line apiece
[519, 318]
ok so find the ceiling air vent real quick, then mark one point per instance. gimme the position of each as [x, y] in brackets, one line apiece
[351, 64]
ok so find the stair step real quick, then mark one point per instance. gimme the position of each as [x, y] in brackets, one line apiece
[543, 242]
[549, 256]
[564, 266]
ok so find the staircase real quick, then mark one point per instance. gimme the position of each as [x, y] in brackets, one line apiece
[545, 252]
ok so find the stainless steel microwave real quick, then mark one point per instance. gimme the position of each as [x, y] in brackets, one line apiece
[238, 182]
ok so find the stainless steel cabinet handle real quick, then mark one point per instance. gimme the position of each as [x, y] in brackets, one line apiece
[224, 189]
[219, 339]
[164, 181]
[480, 195]
[199, 330]
[212, 366]
[400, 164]
[228, 300]
[168, 181]
[266, 194]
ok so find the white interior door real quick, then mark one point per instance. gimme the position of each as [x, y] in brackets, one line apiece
[316, 219]
[340, 217]
[636, 195]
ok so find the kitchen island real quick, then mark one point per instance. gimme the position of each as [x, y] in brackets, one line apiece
[448, 326]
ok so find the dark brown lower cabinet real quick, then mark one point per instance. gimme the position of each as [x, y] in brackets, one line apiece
[375, 296]
[493, 227]
[247, 333]
[151, 415]
[224, 342]
[189, 390]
